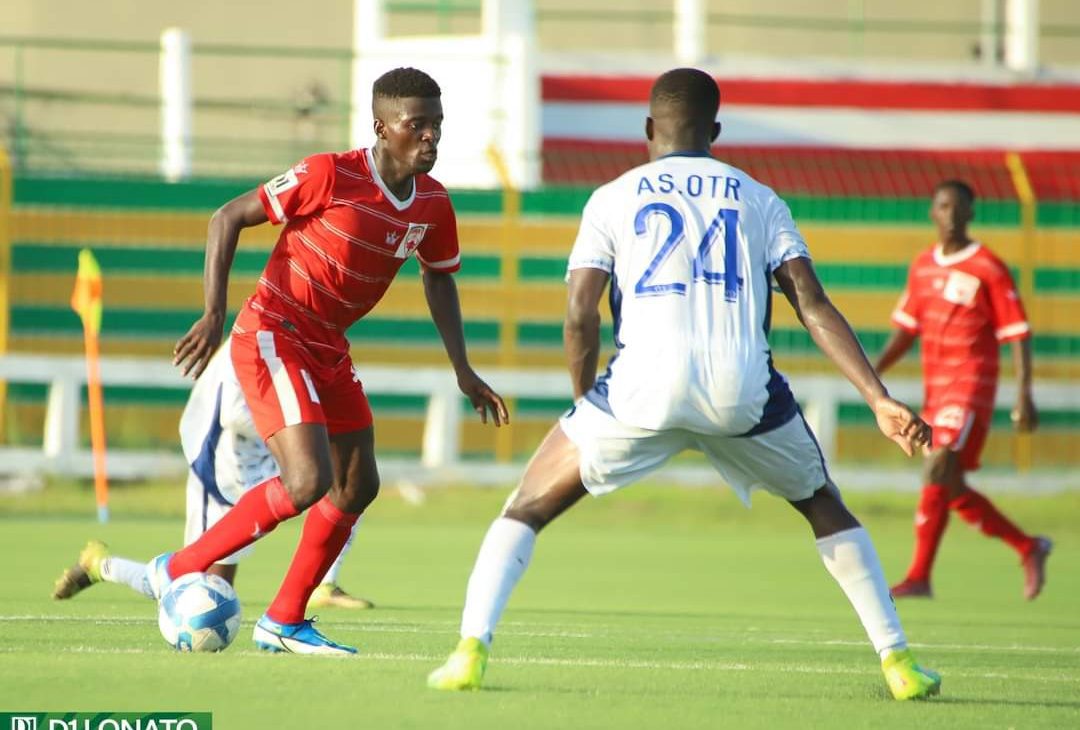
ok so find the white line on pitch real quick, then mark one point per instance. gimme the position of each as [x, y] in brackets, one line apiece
[391, 627]
[609, 664]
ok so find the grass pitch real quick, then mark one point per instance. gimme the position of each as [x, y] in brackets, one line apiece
[653, 608]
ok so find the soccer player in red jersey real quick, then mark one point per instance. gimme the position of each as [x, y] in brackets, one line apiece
[350, 221]
[961, 300]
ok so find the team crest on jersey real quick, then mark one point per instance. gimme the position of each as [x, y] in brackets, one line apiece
[412, 239]
[960, 288]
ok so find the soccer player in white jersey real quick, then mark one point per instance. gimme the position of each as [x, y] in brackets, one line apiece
[689, 246]
[226, 457]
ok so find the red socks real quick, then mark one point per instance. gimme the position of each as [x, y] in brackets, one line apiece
[930, 520]
[978, 511]
[255, 514]
[326, 528]
[975, 509]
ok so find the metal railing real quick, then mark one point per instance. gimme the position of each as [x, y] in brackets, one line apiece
[440, 460]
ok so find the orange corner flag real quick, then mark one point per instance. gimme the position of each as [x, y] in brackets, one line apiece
[86, 299]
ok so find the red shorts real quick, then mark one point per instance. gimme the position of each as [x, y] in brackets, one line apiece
[284, 385]
[962, 429]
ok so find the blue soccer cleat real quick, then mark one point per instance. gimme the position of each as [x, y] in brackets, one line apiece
[157, 575]
[298, 638]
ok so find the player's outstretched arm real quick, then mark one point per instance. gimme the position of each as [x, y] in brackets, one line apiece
[900, 341]
[581, 329]
[445, 307]
[194, 350]
[832, 333]
[1025, 416]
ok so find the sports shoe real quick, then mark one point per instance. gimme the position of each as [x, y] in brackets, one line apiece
[1035, 567]
[464, 669]
[908, 588]
[157, 574]
[906, 679]
[331, 594]
[85, 573]
[298, 638]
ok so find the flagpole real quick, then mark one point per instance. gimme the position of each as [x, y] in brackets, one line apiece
[86, 301]
[97, 421]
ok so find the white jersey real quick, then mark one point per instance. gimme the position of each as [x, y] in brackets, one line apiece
[218, 436]
[691, 244]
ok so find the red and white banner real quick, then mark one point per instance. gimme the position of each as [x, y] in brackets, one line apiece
[830, 113]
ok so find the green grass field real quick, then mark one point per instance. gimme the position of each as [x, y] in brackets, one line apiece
[657, 608]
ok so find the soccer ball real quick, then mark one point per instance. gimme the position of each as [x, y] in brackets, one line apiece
[199, 612]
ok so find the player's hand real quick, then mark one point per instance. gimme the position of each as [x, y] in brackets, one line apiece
[194, 350]
[483, 398]
[900, 424]
[1025, 417]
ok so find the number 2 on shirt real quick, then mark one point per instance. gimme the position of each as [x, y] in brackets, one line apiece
[727, 218]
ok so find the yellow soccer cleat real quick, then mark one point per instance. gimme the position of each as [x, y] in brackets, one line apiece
[85, 573]
[331, 594]
[906, 679]
[464, 669]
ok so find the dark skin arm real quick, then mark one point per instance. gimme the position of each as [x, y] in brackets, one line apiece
[1025, 417]
[900, 341]
[834, 336]
[194, 350]
[581, 330]
[445, 307]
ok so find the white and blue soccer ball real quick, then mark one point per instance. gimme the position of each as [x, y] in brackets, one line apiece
[199, 612]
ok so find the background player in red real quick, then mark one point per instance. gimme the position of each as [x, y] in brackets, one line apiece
[961, 300]
[350, 221]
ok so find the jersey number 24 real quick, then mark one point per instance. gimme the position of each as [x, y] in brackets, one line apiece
[728, 219]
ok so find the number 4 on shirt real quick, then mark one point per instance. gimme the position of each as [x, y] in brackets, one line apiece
[729, 219]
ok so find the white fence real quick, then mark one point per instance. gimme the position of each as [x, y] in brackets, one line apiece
[440, 461]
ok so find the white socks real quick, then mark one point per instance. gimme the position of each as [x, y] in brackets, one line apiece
[851, 559]
[126, 572]
[335, 568]
[502, 560]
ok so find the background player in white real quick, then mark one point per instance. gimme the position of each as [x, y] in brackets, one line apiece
[690, 246]
[226, 457]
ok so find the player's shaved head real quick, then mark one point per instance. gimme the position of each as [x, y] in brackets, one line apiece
[686, 94]
[961, 189]
[403, 83]
[682, 112]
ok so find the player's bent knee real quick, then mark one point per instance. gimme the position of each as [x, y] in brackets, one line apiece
[306, 487]
[358, 496]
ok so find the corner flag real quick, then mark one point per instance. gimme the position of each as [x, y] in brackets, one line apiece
[86, 301]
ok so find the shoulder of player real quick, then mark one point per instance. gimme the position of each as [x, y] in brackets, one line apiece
[987, 265]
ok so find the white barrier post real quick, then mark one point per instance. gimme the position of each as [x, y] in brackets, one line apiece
[691, 22]
[61, 437]
[442, 428]
[174, 80]
[1022, 36]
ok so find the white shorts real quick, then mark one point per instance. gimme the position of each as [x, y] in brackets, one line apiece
[228, 458]
[785, 461]
[235, 472]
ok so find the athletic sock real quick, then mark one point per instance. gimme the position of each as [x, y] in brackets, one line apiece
[255, 514]
[332, 574]
[978, 511]
[931, 518]
[850, 557]
[326, 529]
[502, 560]
[126, 572]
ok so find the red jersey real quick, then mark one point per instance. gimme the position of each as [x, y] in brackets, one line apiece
[345, 237]
[962, 305]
